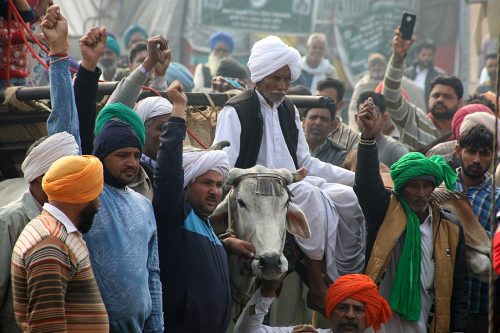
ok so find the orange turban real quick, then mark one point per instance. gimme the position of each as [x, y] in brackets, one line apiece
[360, 288]
[74, 179]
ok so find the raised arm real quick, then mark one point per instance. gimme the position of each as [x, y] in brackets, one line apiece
[92, 46]
[128, 89]
[168, 198]
[64, 116]
[416, 129]
[369, 188]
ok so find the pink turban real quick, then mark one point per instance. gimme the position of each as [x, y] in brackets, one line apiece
[486, 120]
[460, 115]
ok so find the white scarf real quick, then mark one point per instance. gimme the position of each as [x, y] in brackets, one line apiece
[319, 72]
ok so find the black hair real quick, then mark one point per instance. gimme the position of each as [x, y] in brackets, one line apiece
[490, 56]
[332, 83]
[449, 80]
[333, 112]
[136, 48]
[378, 99]
[480, 99]
[426, 44]
[299, 89]
[476, 138]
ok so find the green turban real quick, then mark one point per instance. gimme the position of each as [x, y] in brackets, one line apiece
[405, 291]
[124, 113]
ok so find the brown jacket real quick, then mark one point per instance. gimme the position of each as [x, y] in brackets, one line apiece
[446, 235]
[386, 223]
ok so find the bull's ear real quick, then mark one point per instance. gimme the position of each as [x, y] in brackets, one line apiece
[296, 222]
[219, 217]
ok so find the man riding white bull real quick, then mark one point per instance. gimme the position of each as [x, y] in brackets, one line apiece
[193, 262]
[263, 127]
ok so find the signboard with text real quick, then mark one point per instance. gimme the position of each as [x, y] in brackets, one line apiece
[283, 16]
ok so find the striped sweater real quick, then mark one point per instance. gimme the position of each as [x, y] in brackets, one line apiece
[345, 136]
[52, 281]
[416, 129]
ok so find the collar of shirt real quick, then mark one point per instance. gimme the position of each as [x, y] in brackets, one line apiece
[421, 70]
[149, 161]
[339, 123]
[61, 217]
[318, 148]
[484, 184]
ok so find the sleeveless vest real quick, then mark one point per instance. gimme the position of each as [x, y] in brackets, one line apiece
[247, 106]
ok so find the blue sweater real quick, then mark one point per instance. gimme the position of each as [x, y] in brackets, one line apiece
[127, 271]
[193, 262]
[122, 241]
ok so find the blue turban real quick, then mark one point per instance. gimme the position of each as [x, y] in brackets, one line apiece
[131, 30]
[114, 135]
[177, 71]
[112, 44]
[221, 37]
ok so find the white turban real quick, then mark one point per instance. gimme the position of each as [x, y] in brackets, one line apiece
[196, 163]
[39, 160]
[270, 54]
[153, 106]
[480, 118]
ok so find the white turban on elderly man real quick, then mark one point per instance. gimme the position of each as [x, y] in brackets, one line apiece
[270, 54]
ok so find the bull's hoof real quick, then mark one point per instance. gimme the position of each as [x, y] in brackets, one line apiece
[316, 302]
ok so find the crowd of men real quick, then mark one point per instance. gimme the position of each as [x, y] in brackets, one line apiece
[114, 232]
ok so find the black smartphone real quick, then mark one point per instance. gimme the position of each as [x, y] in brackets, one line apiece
[407, 25]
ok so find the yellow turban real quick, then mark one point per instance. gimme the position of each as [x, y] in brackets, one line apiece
[74, 179]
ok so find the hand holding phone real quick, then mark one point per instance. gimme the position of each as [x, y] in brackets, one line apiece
[407, 25]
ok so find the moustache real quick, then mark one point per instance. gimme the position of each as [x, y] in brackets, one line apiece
[348, 323]
[129, 169]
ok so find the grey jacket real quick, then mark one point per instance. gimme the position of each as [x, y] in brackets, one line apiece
[13, 218]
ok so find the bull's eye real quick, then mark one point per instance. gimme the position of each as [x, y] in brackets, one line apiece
[241, 203]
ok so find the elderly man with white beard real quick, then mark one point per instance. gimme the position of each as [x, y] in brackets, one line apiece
[263, 127]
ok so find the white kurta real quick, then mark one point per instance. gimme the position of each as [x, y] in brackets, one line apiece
[273, 150]
[332, 210]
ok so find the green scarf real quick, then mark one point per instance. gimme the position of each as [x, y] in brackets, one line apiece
[405, 291]
[125, 114]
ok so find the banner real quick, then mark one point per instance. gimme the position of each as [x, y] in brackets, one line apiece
[366, 26]
[283, 16]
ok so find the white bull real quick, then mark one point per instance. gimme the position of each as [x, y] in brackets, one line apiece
[259, 210]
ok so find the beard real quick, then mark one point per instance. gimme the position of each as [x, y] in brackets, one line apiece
[108, 65]
[444, 113]
[474, 171]
[213, 63]
[86, 218]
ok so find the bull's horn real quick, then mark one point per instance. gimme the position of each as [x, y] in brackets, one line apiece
[220, 145]
[299, 174]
